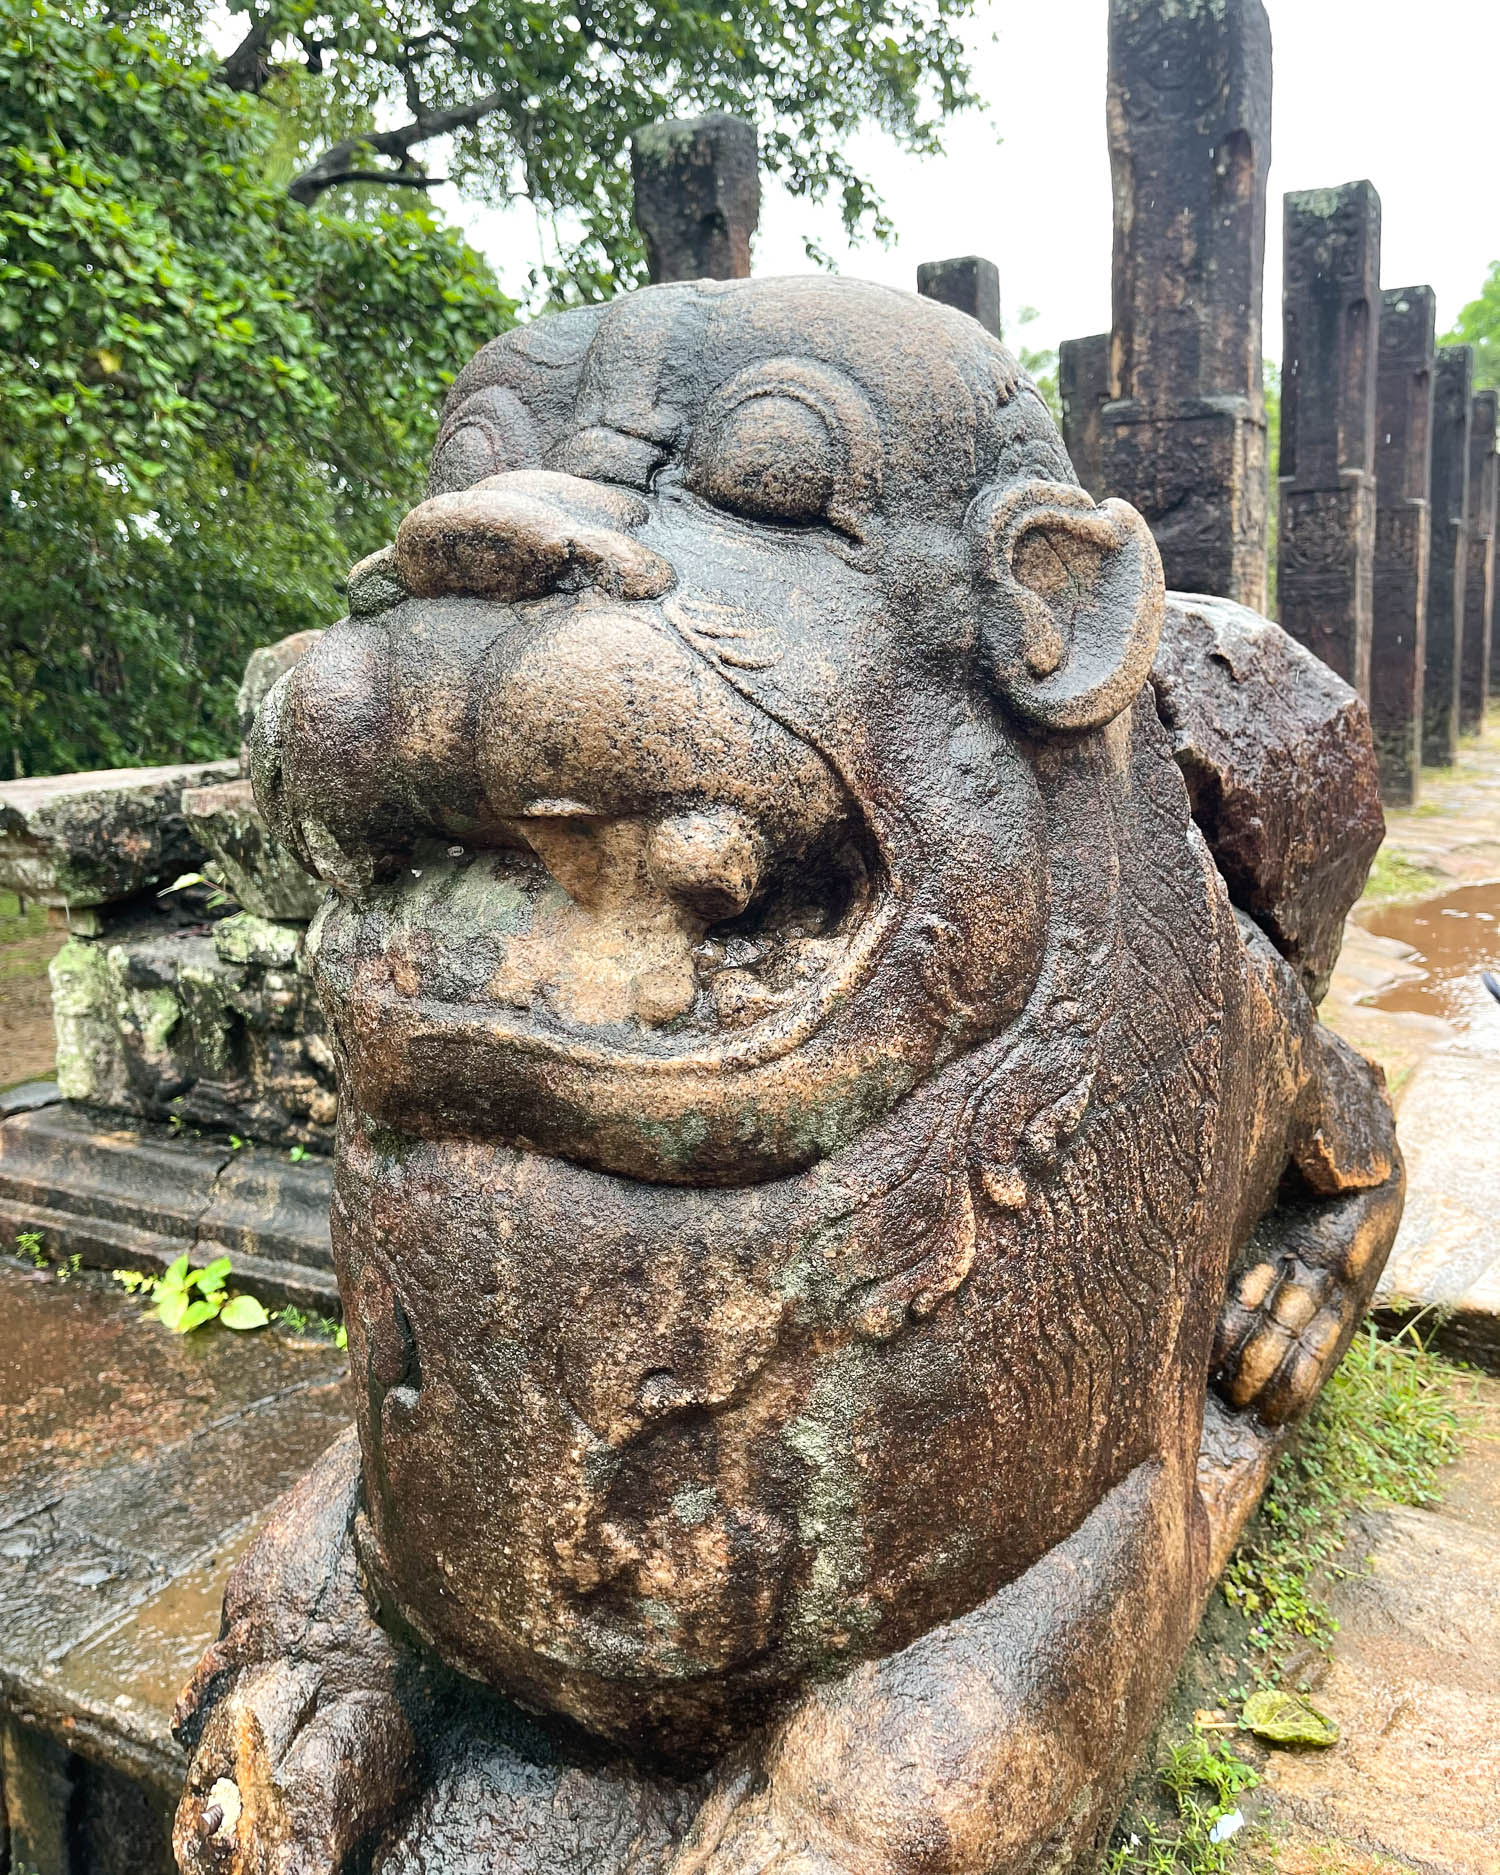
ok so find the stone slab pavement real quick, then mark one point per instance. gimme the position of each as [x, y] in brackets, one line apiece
[1408, 991]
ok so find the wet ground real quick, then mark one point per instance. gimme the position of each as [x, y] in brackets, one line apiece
[1409, 991]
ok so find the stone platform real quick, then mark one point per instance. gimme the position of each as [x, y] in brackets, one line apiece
[134, 1467]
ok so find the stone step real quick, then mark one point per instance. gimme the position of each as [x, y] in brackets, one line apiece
[116, 1192]
[135, 1465]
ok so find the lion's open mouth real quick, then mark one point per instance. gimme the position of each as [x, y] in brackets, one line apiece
[487, 937]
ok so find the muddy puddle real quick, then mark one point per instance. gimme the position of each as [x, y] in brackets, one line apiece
[1455, 937]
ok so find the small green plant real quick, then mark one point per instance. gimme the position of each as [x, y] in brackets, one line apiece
[1203, 1781]
[297, 1154]
[305, 1322]
[183, 1299]
[219, 894]
[29, 1248]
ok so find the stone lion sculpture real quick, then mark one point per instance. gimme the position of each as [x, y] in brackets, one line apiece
[840, 1182]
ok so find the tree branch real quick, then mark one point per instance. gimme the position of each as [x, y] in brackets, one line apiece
[392, 177]
[332, 167]
[249, 65]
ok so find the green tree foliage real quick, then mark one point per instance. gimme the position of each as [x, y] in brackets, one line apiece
[211, 399]
[538, 101]
[1479, 325]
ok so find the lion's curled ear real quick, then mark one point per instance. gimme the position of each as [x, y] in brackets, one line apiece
[1070, 601]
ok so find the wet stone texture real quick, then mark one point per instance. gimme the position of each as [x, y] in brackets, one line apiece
[134, 1466]
[216, 1025]
[1446, 579]
[969, 284]
[87, 839]
[697, 196]
[1326, 517]
[1479, 564]
[1184, 436]
[1403, 480]
[840, 1187]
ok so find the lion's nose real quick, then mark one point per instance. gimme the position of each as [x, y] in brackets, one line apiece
[522, 535]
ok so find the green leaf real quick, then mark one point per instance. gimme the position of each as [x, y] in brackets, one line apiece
[175, 1276]
[171, 1306]
[1286, 1719]
[242, 1312]
[211, 1276]
[199, 1312]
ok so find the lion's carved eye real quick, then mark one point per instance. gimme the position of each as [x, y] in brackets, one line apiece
[490, 433]
[769, 459]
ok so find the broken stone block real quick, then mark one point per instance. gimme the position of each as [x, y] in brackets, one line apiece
[697, 196]
[106, 834]
[214, 1026]
[1277, 755]
[1082, 386]
[1479, 564]
[258, 869]
[968, 283]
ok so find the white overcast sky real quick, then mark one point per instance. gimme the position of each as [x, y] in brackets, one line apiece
[1403, 94]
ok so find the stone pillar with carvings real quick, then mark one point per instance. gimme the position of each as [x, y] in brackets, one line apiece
[1183, 432]
[1403, 473]
[1326, 518]
[1083, 386]
[1452, 389]
[1479, 569]
[969, 282]
[697, 196]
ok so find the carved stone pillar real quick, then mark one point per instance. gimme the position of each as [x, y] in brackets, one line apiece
[1403, 472]
[969, 282]
[1326, 524]
[1452, 387]
[1479, 568]
[1083, 386]
[697, 196]
[1190, 146]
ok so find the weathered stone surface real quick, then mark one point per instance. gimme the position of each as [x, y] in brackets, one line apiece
[968, 283]
[264, 666]
[1083, 386]
[1326, 517]
[697, 196]
[813, 1131]
[1190, 149]
[88, 839]
[259, 871]
[134, 1466]
[217, 1026]
[1277, 757]
[1479, 564]
[1448, 565]
[1403, 482]
[119, 1193]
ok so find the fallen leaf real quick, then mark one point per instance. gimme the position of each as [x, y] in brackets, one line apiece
[1284, 1719]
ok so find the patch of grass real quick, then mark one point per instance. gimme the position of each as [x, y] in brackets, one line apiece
[1394, 876]
[309, 1325]
[1203, 1782]
[1386, 1424]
